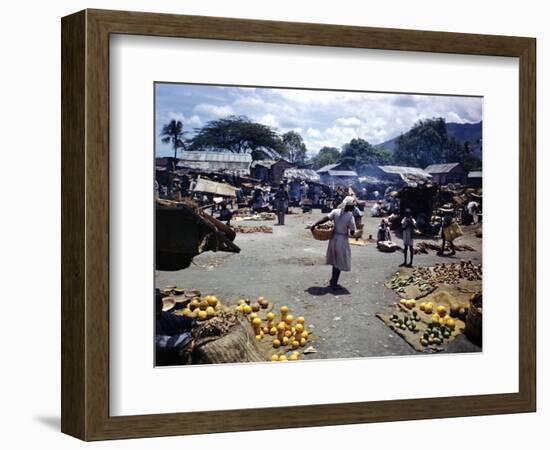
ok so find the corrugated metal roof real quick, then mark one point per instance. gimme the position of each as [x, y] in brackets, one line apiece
[327, 168]
[441, 168]
[342, 173]
[215, 157]
[267, 163]
[303, 174]
[372, 180]
[401, 170]
[475, 174]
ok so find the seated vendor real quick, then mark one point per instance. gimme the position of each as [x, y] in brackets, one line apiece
[383, 231]
[172, 335]
[377, 209]
[225, 214]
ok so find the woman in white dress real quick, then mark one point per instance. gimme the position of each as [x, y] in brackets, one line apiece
[338, 250]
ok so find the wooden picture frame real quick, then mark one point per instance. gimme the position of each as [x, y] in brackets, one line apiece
[85, 224]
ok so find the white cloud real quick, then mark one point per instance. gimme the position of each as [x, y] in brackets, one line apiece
[453, 117]
[193, 120]
[249, 102]
[213, 111]
[313, 133]
[324, 118]
[270, 121]
[348, 122]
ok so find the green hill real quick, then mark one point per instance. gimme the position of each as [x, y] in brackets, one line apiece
[462, 132]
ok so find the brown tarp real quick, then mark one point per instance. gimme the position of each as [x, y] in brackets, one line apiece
[183, 232]
[213, 187]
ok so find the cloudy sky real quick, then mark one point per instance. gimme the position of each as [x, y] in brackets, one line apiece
[323, 118]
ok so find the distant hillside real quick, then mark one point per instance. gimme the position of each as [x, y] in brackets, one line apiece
[462, 132]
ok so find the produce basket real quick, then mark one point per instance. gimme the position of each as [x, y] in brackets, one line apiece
[474, 319]
[322, 234]
[387, 246]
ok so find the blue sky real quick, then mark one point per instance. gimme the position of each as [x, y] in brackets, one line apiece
[323, 118]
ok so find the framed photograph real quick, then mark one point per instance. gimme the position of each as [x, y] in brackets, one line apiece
[343, 217]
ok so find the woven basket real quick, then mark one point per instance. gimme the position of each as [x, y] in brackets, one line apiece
[322, 234]
[474, 320]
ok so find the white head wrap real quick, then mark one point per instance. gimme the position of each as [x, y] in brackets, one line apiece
[349, 200]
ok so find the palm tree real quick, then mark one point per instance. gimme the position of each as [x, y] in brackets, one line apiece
[172, 133]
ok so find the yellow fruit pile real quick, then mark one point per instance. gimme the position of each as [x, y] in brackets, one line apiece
[427, 307]
[441, 318]
[294, 356]
[284, 329]
[409, 304]
[246, 306]
[202, 309]
[441, 327]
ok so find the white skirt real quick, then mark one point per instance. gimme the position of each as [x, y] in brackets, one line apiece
[339, 252]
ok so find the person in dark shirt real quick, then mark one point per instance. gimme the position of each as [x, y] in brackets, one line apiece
[281, 203]
[225, 214]
[172, 335]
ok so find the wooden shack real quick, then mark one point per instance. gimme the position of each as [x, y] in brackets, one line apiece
[447, 173]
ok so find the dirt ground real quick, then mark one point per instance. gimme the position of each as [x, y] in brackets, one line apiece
[288, 267]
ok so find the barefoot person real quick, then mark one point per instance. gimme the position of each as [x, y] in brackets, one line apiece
[339, 251]
[408, 225]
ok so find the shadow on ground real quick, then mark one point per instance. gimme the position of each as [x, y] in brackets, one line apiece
[324, 290]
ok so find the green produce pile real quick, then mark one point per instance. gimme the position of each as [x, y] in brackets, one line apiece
[400, 282]
[406, 321]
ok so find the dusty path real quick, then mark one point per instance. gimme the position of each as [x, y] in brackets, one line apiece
[287, 267]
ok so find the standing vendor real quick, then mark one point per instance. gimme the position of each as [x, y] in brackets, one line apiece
[338, 250]
[281, 203]
[446, 235]
[408, 225]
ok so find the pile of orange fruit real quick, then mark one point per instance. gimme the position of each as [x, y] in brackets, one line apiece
[202, 309]
[284, 330]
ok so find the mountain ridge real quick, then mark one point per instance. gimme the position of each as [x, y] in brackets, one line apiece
[462, 132]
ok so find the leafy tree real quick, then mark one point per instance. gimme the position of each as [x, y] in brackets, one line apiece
[295, 150]
[238, 135]
[172, 133]
[464, 153]
[429, 143]
[424, 144]
[359, 154]
[326, 156]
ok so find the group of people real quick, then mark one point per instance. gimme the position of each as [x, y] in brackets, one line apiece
[278, 200]
[338, 254]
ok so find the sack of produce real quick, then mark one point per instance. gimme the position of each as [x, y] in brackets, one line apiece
[226, 338]
[452, 232]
